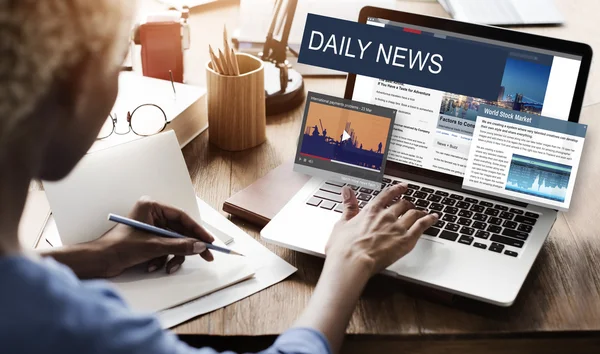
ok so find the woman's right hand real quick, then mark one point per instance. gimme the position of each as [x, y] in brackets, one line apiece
[383, 232]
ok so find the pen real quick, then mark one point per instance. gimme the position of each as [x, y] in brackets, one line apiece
[164, 233]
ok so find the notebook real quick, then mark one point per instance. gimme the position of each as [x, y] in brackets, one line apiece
[111, 181]
[504, 12]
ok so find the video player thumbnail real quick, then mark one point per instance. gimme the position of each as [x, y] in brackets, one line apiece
[344, 140]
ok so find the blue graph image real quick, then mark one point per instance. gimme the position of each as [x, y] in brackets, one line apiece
[538, 178]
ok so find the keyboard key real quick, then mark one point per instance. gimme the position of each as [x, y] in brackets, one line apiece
[465, 213]
[331, 189]
[471, 200]
[395, 182]
[422, 203]
[450, 210]
[516, 234]
[467, 231]
[495, 221]
[447, 235]
[326, 204]
[362, 204]
[463, 205]
[432, 231]
[479, 225]
[434, 198]
[339, 208]
[383, 186]
[486, 204]
[524, 228]
[532, 215]
[439, 223]
[437, 207]
[336, 183]
[376, 193]
[457, 197]
[511, 253]
[386, 180]
[409, 192]
[480, 217]
[413, 186]
[449, 218]
[477, 208]
[329, 196]
[439, 213]
[482, 234]
[366, 190]
[420, 209]
[507, 241]
[364, 197]
[525, 220]
[314, 201]
[465, 240]
[480, 245]
[410, 199]
[442, 193]
[501, 207]
[516, 211]
[420, 195]
[448, 201]
[354, 188]
[452, 227]
[464, 222]
[494, 229]
[495, 247]
[510, 224]
[492, 212]
[506, 215]
[426, 190]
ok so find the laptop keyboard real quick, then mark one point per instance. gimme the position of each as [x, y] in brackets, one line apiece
[462, 219]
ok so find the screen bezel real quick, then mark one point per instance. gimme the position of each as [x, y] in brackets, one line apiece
[487, 32]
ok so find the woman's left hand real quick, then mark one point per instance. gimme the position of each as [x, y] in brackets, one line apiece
[123, 247]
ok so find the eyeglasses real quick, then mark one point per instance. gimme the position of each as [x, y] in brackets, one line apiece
[147, 119]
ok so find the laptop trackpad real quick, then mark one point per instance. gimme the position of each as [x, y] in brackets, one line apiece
[428, 257]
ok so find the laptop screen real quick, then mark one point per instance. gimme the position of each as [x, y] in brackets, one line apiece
[433, 130]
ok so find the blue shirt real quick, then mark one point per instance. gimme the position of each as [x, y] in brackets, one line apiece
[45, 308]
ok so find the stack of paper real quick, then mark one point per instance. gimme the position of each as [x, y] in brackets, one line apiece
[112, 180]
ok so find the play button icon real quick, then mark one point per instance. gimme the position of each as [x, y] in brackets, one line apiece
[345, 136]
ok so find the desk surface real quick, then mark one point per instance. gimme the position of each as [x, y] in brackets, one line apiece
[561, 293]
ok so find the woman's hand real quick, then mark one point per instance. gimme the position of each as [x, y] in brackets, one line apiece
[383, 232]
[124, 247]
[361, 244]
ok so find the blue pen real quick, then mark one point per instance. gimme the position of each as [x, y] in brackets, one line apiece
[164, 233]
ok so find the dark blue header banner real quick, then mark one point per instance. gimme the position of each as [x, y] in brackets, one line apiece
[464, 68]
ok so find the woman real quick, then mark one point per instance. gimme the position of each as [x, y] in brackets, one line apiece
[59, 67]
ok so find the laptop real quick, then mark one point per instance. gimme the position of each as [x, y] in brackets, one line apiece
[484, 244]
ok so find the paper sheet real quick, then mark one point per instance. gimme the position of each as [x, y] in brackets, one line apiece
[153, 292]
[269, 270]
[114, 179]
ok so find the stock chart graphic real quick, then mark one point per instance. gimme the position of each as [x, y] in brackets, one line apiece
[538, 178]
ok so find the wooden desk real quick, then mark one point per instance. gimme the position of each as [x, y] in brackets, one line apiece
[558, 308]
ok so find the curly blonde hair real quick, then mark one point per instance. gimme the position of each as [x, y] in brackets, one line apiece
[40, 40]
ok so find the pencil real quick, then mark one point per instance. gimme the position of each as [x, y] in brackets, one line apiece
[164, 233]
[227, 52]
[224, 63]
[172, 83]
[217, 66]
[236, 67]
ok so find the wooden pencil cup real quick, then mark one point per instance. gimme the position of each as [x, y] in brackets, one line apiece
[236, 105]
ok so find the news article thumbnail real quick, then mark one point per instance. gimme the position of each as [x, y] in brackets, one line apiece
[336, 134]
[522, 89]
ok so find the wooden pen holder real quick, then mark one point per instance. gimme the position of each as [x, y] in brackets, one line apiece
[236, 105]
